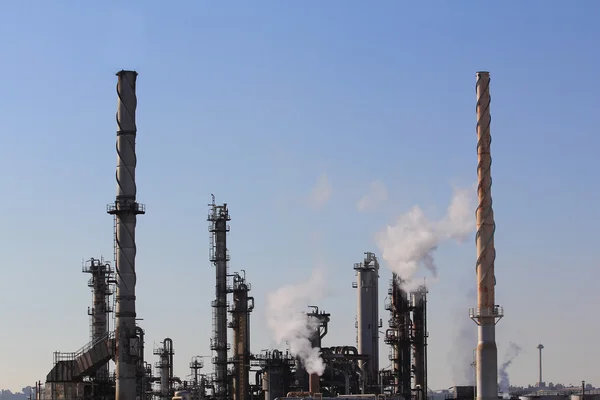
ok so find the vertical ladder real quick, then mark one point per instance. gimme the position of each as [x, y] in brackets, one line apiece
[115, 240]
[114, 297]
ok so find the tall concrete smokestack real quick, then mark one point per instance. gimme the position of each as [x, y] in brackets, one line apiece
[125, 209]
[487, 313]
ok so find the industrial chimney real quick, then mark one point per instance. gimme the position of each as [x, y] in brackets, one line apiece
[487, 313]
[125, 209]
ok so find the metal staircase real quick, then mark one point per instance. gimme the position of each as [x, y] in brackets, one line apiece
[72, 367]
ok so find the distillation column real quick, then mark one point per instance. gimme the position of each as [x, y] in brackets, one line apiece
[125, 209]
[165, 365]
[241, 309]
[100, 283]
[487, 313]
[398, 337]
[367, 279]
[219, 256]
[419, 340]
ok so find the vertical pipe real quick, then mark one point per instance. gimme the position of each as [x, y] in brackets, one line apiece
[125, 209]
[314, 384]
[100, 312]
[237, 340]
[375, 323]
[486, 314]
[141, 364]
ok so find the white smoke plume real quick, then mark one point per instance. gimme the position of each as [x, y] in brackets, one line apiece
[512, 352]
[461, 354]
[287, 319]
[410, 243]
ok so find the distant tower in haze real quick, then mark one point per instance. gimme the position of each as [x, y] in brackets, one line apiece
[541, 383]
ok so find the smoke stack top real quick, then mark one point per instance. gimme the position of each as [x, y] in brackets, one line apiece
[289, 323]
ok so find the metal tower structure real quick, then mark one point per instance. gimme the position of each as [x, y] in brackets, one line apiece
[125, 210]
[397, 336]
[240, 323]
[418, 338]
[100, 282]
[367, 320]
[407, 336]
[198, 389]
[165, 366]
[218, 218]
[321, 329]
[541, 383]
[487, 313]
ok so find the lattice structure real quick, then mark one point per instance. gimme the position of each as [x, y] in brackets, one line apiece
[101, 283]
[407, 336]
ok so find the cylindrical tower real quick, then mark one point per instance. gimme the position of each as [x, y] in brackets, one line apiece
[487, 313]
[367, 281]
[165, 366]
[219, 256]
[164, 375]
[541, 381]
[242, 306]
[125, 209]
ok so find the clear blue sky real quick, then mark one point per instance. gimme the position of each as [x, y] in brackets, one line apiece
[254, 103]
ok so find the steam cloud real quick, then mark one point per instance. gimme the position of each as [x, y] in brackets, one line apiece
[512, 352]
[460, 356]
[410, 243]
[287, 319]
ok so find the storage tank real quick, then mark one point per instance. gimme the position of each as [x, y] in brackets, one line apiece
[182, 395]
